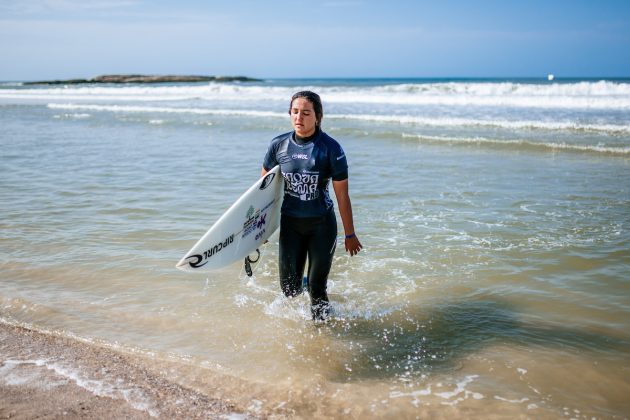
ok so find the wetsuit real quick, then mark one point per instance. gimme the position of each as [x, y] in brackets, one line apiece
[308, 227]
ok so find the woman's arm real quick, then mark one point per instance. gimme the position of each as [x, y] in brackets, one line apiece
[353, 246]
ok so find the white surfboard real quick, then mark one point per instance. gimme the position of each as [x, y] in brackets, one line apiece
[247, 224]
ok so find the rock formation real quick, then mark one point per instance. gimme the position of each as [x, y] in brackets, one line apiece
[141, 78]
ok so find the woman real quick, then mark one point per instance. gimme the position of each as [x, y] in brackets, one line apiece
[308, 159]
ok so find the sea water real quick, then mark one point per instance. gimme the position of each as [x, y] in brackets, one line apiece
[494, 215]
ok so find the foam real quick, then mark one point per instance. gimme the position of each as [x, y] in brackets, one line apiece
[149, 93]
[459, 394]
[74, 116]
[11, 378]
[460, 388]
[512, 401]
[581, 95]
[591, 95]
[355, 311]
[164, 110]
[291, 309]
[394, 119]
[523, 144]
[418, 393]
[469, 122]
[134, 396]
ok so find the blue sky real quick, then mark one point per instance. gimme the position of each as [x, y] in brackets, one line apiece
[48, 39]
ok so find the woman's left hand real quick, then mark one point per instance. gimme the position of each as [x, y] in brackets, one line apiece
[353, 246]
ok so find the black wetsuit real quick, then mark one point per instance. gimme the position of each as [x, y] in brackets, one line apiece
[308, 226]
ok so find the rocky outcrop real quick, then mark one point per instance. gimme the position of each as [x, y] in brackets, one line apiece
[141, 78]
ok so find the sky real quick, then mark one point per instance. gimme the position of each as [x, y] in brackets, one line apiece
[63, 39]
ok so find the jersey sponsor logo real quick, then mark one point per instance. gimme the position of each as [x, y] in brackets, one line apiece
[199, 260]
[299, 156]
[301, 185]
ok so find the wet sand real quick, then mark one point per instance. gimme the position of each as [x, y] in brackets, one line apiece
[47, 376]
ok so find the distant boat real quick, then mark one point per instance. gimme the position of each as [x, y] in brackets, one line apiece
[550, 77]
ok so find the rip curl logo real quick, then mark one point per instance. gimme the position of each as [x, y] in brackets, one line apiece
[267, 181]
[302, 185]
[199, 260]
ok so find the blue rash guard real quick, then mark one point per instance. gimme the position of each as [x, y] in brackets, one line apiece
[307, 170]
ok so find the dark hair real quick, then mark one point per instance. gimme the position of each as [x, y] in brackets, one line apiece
[313, 98]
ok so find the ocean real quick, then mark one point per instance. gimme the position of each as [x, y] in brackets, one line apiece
[495, 279]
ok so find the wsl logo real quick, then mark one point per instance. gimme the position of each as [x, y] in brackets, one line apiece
[301, 156]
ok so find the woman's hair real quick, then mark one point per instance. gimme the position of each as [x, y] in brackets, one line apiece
[313, 98]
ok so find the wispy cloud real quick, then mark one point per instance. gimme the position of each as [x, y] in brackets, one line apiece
[67, 5]
[68, 8]
[113, 11]
[343, 3]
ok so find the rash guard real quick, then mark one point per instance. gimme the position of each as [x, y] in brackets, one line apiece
[307, 170]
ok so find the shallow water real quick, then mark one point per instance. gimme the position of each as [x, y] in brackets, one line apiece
[494, 217]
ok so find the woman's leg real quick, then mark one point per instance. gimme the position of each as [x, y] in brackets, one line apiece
[321, 249]
[292, 257]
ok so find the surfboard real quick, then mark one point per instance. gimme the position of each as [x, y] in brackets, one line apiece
[247, 224]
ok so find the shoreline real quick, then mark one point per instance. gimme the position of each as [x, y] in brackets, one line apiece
[44, 375]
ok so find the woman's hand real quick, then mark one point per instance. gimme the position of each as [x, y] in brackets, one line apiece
[353, 246]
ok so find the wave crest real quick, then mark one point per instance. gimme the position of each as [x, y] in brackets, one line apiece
[580, 95]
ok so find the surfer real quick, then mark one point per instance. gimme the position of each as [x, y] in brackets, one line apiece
[309, 159]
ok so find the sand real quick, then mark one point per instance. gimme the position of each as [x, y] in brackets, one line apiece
[48, 376]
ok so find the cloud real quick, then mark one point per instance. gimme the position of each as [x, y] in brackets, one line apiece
[65, 8]
[343, 3]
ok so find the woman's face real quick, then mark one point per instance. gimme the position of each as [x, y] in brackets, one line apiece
[303, 117]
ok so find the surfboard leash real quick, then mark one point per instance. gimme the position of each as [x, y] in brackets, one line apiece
[249, 262]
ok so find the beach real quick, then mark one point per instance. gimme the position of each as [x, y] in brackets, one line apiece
[493, 282]
[50, 376]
